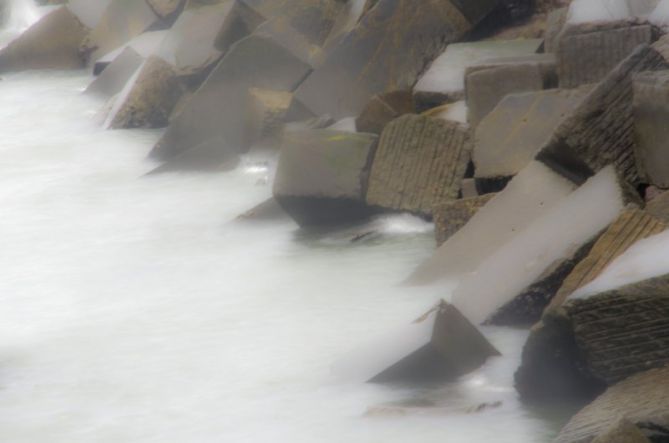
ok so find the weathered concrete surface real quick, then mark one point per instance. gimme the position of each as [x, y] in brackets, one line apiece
[351, 13]
[530, 195]
[420, 161]
[622, 432]
[321, 176]
[269, 210]
[189, 44]
[449, 217]
[217, 109]
[166, 8]
[384, 108]
[527, 307]
[554, 25]
[386, 51]
[149, 97]
[651, 95]
[640, 400]
[452, 347]
[632, 225]
[601, 129]
[51, 43]
[587, 53]
[445, 78]
[145, 44]
[595, 342]
[486, 84]
[89, 12]
[512, 134]
[115, 76]
[659, 207]
[121, 21]
[266, 113]
[551, 239]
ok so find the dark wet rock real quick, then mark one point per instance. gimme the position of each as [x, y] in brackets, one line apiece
[449, 217]
[115, 76]
[487, 83]
[641, 402]
[452, 347]
[121, 21]
[602, 340]
[387, 50]
[632, 225]
[651, 111]
[321, 176]
[209, 156]
[150, 99]
[51, 43]
[511, 135]
[382, 109]
[218, 109]
[600, 131]
[420, 161]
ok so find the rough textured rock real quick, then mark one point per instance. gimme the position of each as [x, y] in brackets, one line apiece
[121, 21]
[386, 51]
[420, 161]
[488, 83]
[321, 176]
[382, 109]
[511, 135]
[601, 129]
[217, 109]
[597, 341]
[528, 306]
[449, 217]
[51, 43]
[586, 54]
[632, 226]
[150, 99]
[651, 95]
[115, 76]
[622, 432]
[641, 401]
[452, 347]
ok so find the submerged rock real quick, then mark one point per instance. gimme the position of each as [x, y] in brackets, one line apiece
[322, 176]
[419, 162]
[635, 408]
[51, 43]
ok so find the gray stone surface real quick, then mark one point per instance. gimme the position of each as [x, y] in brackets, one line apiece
[419, 162]
[487, 83]
[382, 109]
[586, 54]
[321, 176]
[387, 50]
[512, 134]
[449, 217]
[115, 76]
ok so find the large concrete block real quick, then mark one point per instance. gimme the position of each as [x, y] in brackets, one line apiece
[420, 161]
[630, 227]
[600, 131]
[530, 195]
[641, 402]
[651, 110]
[554, 25]
[387, 50]
[445, 78]
[440, 345]
[217, 109]
[449, 217]
[487, 83]
[382, 109]
[121, 21]
[321, 176]
[51, 43]
[117, 74]
[587, 53]
[145, 44]
[512, 134]
[553, 238]
[149, 97]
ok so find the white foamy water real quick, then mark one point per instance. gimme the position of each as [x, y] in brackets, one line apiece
[133, 309]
